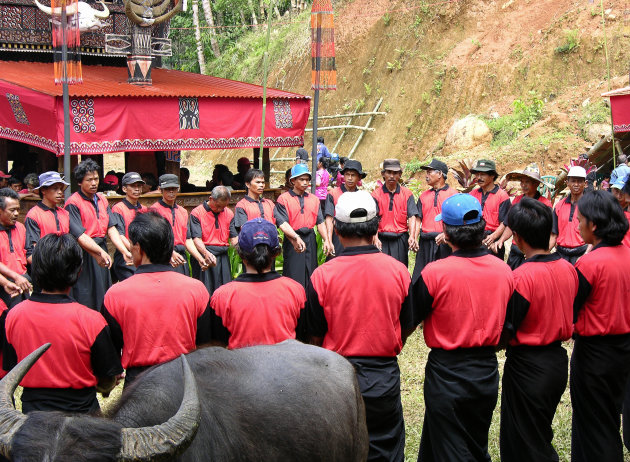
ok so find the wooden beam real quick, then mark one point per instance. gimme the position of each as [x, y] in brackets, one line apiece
[353, 114]
[336, 127]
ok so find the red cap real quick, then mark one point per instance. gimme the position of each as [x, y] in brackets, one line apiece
[111, 180]
[4, 175]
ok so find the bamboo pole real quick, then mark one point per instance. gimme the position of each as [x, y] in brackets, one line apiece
[356, 145]
[335, 127]
[612, 124]
[341, 116]
[264, 105]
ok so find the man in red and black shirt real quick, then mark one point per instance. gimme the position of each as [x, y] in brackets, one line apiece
[432, 245]
[47, 216]
[259, 307]
[211, 227]
[125, 211]
[462, 300]
[156, 314]
[297, 212]
[12, 250]
[494, 201]
[82, 359]
[539, 318]
[365, 319]
[530, 180]
[600, 363]
[565, 234]
[177, 216]
[91, 220]
[253, 205]
[353, 174]
[398, 212]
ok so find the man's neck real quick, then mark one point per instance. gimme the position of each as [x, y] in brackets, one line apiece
[488, 188]
[132, 201]
[353, 189]
[57, 292]
[355, 241]
[529, 251]
[251, 270]
[47, 203]
[298, 192]
[87, 194]
[532, 194]
[576, 197]
[439, 185]
[167, 202]
[390, 189]
[254, 195]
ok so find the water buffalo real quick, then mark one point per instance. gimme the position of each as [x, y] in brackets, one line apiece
[274, 403]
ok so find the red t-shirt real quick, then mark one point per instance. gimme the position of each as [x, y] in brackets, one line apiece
[550, 284]
[566, 224]
[299, 211]
[606, 310]
[468, 293]
[13, 247]
[430, 206]
[125, 213]
[259, 309]
[157, 310]
[211, 228]
[177, 216]
[394, 209]
[495, 205]
[247, 209]
[87, 216]
[626, 238]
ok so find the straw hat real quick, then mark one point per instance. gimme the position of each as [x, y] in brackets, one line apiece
[531, 171]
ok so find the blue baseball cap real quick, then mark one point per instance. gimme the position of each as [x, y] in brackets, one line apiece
[255, 232]
[50, 178]
[459, 210]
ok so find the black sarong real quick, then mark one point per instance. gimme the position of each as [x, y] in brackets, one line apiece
[122, 271]
[429, 251]
[215, 276]
[396, 245]
[625, 416]
[379, 382]
[300, 266]
[182, 269]
[515, 258]
[460, 393]
[534, 379]
[571, 255]
[501, 252]
[599, 371]
[9, 301]
[93, 281]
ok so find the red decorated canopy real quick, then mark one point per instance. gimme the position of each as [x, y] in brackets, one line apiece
[620, 108]
[180, 111]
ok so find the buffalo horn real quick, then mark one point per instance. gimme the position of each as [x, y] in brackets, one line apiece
[57, 12]
[165, 17]
[167, 439]
[10, 419]
[102, 14]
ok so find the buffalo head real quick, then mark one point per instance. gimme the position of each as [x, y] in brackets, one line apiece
[54, 436]
[89, 18]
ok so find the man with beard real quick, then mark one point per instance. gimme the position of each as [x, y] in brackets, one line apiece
[432, 245]
[352, 172]
[398, 212]
[565, 234]
[495, 202]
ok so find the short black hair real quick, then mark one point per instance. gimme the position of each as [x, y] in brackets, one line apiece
[603, 210]
[466, 237]
[154, 235]
[7, 192]
[149, 178]
[57, 262]
[14, 180]
[320, 139]
[85, 167]
[253, 173]
[261, 257]
[366, 229]
[532, 221]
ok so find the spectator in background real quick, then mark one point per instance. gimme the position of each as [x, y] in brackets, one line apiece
[301, 156]
[617, 191]
[591, 176]
[605, 183]
[150, 182]
[221, 176]
[110, 183]
[4, 179]
[622, 170]
[322, 150]
[15, 184]
[185, 185]
[322, 179]
[242, 166]
[31, 183]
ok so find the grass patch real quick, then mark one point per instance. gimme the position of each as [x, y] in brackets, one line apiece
[593, 113]
[571, 42]
[524, 115]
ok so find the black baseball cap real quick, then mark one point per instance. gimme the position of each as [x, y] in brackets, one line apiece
[436, 165]
[168, 180]
[131, 178]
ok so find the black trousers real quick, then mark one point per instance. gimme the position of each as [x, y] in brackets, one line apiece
[93, 281]
[429, 251]
[300, 266]
[9, 301]
[396, 245]
[515, 258]
[215, 276]
[534, 379]
[460, 393]
[185, 268]
[122, 271]
[379, 382]
[599, 372]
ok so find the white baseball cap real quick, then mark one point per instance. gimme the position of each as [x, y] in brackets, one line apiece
[355, 207]
[577, 172]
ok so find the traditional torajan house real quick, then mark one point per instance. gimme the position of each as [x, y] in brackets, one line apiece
[126, 101]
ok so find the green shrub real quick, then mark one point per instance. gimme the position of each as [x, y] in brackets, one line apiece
[524, 115]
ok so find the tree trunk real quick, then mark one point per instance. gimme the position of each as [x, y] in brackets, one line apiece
[207, 12]
[200, 56]
[277, 11]
[243, 20]
[251, 9]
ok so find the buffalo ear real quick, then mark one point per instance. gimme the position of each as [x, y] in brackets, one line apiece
[169, 438]
[10, 419]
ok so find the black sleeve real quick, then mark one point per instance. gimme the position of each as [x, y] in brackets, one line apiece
[33, 235]
[113, 221]
[233, 232]
[115, 330]
[104, 357]
[584, 290]
[517, 309]
[240, 218]
[554, 226]
[76, 225]
[423, 301]
[329, 206]
[204, 327]
[412, 209]
[280, 214]
[194, 227]
[378, 210]
[316, 323]
[419, 207]
[504, 208]
[320, 217]
[120, 223]
[300, 329]
[9, 356]
[218, 332]
[407, 321]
